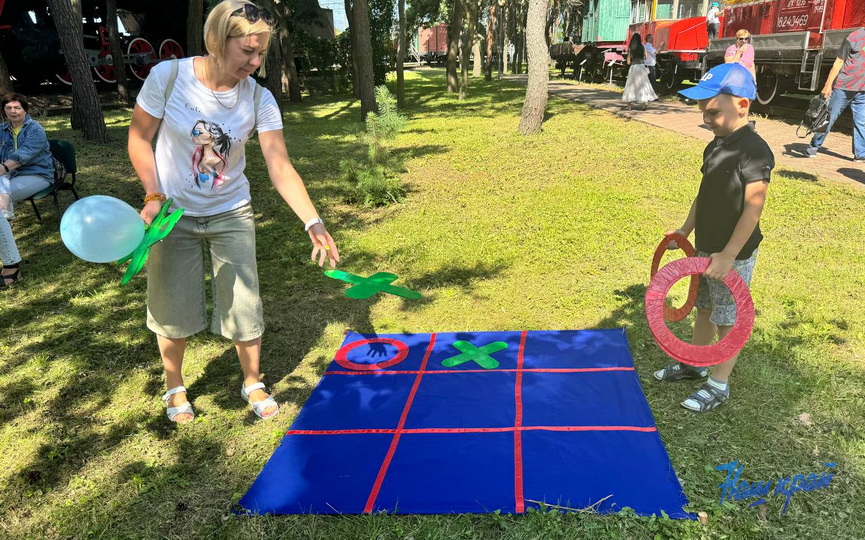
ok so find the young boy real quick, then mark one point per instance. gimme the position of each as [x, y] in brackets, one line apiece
[726, 215]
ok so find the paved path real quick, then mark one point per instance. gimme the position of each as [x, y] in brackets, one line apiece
[834, 161]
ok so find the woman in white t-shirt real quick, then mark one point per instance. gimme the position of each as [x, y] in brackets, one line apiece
[204, 109]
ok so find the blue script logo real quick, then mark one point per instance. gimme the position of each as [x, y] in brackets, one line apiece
[734, 490]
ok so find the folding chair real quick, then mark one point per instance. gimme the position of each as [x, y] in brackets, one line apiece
[64, 153]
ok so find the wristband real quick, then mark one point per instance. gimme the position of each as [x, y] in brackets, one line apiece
[154, 197]
[5, 167]
[314, 221]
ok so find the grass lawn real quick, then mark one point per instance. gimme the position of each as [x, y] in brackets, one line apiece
[499, 232]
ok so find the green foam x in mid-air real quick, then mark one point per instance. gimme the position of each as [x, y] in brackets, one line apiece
[363, 287]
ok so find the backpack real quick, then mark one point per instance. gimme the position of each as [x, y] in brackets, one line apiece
[172, 78]
[816, 117]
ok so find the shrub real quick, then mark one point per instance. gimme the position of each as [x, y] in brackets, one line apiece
[375, 180]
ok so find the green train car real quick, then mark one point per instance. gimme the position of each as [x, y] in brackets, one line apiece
[606, 21]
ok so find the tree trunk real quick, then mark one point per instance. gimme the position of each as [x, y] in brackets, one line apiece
[536, 90]
[275, 70]
[353, 36]
[519, 53]
[195, 28]
[488, 61]
[363, 53]
[472, 20]
[476, 51]
[5, 78]
[454, 32]
[501, 41]
[86, 109]
[400, 57]
[287, 43]
[117, 51]
[282, 39]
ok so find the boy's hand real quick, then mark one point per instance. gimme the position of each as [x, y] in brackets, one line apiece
[672, 244]
[720, 266]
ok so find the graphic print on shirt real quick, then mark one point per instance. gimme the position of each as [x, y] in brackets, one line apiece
[210, 156]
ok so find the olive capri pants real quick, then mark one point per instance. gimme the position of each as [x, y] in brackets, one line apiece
[176, 304]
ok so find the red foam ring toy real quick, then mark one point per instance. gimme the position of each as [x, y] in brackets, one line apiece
[686, 353]
[670, 313]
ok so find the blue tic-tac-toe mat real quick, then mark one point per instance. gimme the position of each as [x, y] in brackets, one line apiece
[562, 420]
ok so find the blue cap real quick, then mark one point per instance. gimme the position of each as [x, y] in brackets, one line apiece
[733, 79]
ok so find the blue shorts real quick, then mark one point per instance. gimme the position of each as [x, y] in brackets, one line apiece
[715, 295]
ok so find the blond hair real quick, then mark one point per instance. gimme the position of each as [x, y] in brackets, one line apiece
[222, 26]
[743, 33]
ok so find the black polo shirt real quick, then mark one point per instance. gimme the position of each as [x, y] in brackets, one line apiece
[729, 163]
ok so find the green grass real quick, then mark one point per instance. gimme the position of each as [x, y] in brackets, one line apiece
[499, 232]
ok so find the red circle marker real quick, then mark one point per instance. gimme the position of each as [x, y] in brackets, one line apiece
[341, 356]
[696, 355]
[670, 313]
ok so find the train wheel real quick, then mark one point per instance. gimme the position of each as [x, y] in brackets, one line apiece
[106, 71]
[142, 64]
[170, 49]
[767, 86]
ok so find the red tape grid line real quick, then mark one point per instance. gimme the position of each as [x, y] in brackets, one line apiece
[460, 371]
[520, 506]
[647, 429]
[373, 495]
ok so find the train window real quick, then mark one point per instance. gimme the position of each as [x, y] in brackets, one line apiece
[690, 8]
[639, 10]
[664, 9]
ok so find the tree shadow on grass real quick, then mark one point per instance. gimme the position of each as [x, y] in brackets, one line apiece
[774, 378]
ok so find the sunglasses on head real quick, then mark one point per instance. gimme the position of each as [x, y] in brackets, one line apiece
[254, 13]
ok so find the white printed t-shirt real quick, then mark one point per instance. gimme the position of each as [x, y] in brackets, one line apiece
[200, 155]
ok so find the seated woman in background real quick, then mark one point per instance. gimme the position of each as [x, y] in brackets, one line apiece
[26, 168]
[742, 51]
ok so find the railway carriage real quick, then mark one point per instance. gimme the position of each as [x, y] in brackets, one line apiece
[151, 31]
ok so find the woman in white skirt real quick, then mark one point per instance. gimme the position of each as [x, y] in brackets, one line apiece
[638, 87]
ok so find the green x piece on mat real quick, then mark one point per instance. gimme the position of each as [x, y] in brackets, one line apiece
[470, 353]
[366, 287]
[158, 229]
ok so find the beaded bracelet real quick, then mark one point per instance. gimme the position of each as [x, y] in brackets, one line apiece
[154, 197]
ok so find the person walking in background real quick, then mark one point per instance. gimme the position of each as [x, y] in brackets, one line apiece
[651, 59]
[713, 22]
[637, 87]
[742, 52]
[845, 86]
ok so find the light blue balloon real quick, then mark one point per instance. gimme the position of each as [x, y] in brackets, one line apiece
[101, 229]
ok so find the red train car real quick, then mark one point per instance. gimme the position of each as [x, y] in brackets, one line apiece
[679, 29]
[795, 41]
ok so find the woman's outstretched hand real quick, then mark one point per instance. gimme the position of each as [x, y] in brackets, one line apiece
[323, 246]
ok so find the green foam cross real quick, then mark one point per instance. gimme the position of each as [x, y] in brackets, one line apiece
[158, 229]
[470, 353]
[366, 287]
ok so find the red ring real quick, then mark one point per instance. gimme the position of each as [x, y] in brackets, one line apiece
[670, 313]
[696, 355]
[341, 356]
